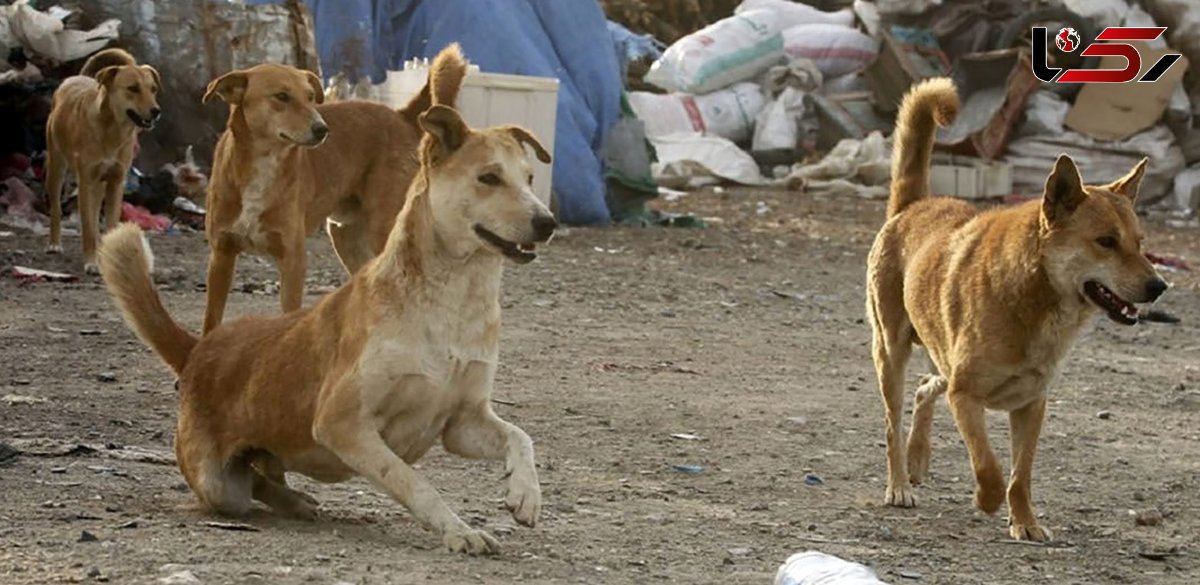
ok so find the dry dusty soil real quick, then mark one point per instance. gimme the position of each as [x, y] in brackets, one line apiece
[747, 335]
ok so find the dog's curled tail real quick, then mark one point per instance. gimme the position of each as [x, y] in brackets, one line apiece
[126, 264]
[930, 104]
[106, 58]
[446, 75]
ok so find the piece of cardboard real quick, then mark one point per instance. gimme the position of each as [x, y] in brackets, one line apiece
[1115, 111]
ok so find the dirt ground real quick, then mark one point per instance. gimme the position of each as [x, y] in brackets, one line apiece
[747, 334]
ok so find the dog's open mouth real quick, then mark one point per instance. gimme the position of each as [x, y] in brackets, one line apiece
[1117, 308]
[519, 253]
[139, 121]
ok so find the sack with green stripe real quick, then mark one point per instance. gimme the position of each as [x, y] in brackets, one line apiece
[721, 54]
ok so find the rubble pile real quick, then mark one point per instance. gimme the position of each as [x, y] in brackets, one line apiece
[758, 96]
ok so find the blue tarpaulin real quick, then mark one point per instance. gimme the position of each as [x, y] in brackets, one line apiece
[565, 39]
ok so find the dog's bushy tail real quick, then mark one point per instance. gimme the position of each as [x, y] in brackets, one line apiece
[106, 58]
[126, 264]
[446, 75]
[928, 105]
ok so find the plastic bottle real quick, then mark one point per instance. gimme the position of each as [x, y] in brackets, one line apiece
[818, 568]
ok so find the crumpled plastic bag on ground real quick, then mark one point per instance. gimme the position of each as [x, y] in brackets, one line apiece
[858, 167]
[44, 33]
[688, 161]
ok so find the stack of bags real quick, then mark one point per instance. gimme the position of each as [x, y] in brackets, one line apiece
[743, 79]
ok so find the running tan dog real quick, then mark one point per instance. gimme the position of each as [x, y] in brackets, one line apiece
[997, 298]
[367, 380]
[286, 163]
[92, 130]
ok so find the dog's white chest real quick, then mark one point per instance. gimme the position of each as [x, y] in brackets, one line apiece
[248, 226]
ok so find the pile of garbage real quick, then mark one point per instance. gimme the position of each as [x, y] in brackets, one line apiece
[757, 97]
[43, 45]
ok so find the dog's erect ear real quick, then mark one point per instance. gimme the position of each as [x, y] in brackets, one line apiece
[230, 87]
[526, 137]
[315, 83]
[446, 125]
[153, 73]
[1064, 190]
[1129, 184]
[105, 76]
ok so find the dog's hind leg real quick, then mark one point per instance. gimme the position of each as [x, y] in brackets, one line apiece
[479, 434]
[892, 346]
[970, 416]
[1026, 425]
[282, 499]
[224, 485]
[56, 174]
[114, 194]
[925, 398]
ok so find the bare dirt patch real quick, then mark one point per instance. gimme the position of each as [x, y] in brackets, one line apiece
[747, 336]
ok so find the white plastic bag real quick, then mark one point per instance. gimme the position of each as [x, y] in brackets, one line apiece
[777, 126]
[792, 13]
[728, 113]
[723, 53]
[45, 34]
[837, 50]
[817, 568]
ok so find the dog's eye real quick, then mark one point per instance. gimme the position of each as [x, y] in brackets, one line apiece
[490, 179]
[134, 89]
[283, 97]
[1107, 242]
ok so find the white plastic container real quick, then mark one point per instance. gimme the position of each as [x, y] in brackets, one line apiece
[489, 99]
[818, 568]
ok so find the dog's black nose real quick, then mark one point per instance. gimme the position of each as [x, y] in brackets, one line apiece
[320, 131]
[1155, 287]
[155, 113]
[543, 226]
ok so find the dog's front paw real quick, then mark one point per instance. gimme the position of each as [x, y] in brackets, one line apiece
[901, 496]
[54, 249]
[524, 500]
[472, 542]
[91, 268]
[1033, 532]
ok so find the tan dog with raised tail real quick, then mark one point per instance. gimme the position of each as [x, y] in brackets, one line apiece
[368, 379]
[996, 298]
[92, 132]
[286, 164]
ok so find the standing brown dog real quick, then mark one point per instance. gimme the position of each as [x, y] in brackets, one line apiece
[997, 298]
[94, 120]
[286, 163]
